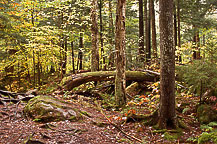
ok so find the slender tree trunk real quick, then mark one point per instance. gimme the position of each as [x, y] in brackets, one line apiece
[101, 34]
[64, 55]
[73, 57]
[120, 79]
[147, 32]
[34, 71]
[141, 34]
[111, 35]
[179, 28]
[153, 28]
[175, 25]
[38, 69]
[167, 115]
[80, 54]
[94, 38]
[175, 28]
[33, 53]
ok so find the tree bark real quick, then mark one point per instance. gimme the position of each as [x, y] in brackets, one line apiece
[65, 55]
[179, 28]
[111, 35]
[101, 34]
[94, 38]
[73, 57]
[141, 35]
[80, 53]
[72, 81]
[153, 28]
[120, 79]
[167, 115]
[147, 32]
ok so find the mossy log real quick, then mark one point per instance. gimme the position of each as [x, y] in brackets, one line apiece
[75, 80]
[46, 109]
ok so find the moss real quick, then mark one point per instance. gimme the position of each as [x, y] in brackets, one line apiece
[208, 137]
[206, 114]
[48, 109]
[169, 136]
[72, 118]
[172, 136]
[85, 113]
[159, 131]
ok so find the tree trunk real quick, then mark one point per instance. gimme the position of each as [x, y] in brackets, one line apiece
[80, 53]
[141, 35]
[120, 79]
[179, 28]
[111, 35]
[167, 115]
[73, 57]
[153, 28]
[101, 35]
[147, 32]
[65, 55]
[94, 38]
[75, 80]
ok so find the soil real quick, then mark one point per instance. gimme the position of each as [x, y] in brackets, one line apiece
[15, 127]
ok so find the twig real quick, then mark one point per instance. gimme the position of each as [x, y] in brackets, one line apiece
[117, 127]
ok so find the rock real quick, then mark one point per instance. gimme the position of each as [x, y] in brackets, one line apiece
[206, 114]
[47, 109]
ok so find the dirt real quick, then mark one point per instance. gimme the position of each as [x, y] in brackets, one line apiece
[15, 127]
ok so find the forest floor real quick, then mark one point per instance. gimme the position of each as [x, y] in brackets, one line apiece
[15, 127]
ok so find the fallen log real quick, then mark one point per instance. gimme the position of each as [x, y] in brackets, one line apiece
[72, 81]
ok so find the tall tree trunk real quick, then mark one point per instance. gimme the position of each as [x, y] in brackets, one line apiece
[80, 53]
[179, 28]
[64, 55]
[38, 69]
[147, 32]
[120, 79]
[167, 115]
[153, 28]
[175, 28]
[101, 34]
[73, 57]
[141, 34]
[111, 35]
[94, 38]
[175, 24]
[33, 53]
[196, 41]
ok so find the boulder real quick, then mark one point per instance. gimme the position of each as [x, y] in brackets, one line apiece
[47, 109]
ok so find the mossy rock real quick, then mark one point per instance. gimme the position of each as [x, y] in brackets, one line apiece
[47, 109]
[206, 114]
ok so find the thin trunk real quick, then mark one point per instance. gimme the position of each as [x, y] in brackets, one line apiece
[175, 25]
[101, 35]
[120, 79]
[167, 114]
[80, 54]
[175, 28]
[33, 57]
[65, 55]
[34, 71]
[141, 34]
[147, 32]
[153, 28]
[111, 35]
[94, 38]
[73, 57]
[38, 70]
[179, 28]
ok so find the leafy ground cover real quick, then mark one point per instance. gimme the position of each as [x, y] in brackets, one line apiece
[106, 124]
